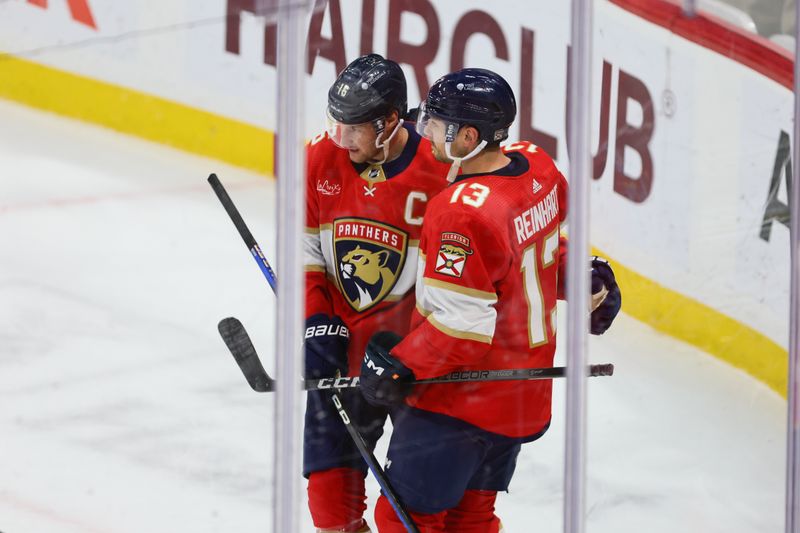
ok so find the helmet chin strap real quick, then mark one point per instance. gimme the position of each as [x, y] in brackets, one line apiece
[385, 144]
[453, 172]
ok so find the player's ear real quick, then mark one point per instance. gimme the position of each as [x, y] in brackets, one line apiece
[392, 118]
[471, 136]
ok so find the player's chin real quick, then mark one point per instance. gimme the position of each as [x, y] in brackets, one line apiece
[356, 155]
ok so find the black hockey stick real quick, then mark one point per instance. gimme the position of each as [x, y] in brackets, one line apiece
[244, 231]
[235, 337]
[239, 344]
[373, 465]
[469, 376]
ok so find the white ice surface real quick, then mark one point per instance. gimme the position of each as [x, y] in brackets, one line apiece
[121, 410]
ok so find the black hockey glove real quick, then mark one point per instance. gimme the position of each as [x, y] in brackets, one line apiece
[325, 346]
[603, 280]
[385, 381]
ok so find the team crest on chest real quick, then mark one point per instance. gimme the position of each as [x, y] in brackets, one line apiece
[369, 257]
[453, 252]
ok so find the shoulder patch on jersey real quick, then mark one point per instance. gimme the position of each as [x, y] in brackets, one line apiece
[370, 256]
[453, 252]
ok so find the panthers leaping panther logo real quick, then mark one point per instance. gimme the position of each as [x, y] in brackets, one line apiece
[369, 273]
[370, 257]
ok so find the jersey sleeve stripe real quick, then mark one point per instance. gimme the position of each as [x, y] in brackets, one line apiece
[419, 289]
[474, 293]
[459, 334]
[312, 251]
[408, 276]
[458, 314]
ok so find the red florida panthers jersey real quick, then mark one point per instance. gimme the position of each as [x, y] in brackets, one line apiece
[362, 236]
[486, 293]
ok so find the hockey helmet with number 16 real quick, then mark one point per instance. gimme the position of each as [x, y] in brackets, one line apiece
[468, 97]
[365, 93]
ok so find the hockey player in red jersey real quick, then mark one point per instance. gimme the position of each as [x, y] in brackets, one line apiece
[370, 178]
[490, 257]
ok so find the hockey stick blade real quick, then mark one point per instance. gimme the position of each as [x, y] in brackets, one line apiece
[241, 347]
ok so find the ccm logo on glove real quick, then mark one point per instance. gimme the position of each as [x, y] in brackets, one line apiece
[385, 380]
[372, 366]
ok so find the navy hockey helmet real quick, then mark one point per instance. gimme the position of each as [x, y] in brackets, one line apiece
[367, 89]
[472, 96]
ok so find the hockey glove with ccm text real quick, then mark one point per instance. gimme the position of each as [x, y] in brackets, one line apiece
[325, 346]
[606, 296]
[385, 381]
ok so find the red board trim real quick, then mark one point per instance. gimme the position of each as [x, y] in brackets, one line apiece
[753, 51]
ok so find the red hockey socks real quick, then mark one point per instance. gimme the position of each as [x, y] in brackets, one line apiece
[474, 513]
[337, 499]
[388, 522]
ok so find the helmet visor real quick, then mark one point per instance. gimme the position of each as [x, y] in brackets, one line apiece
[435, 129]
[350, 135]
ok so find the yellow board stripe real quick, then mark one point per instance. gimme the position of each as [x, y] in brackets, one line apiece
[695, 323]
[136, 113]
